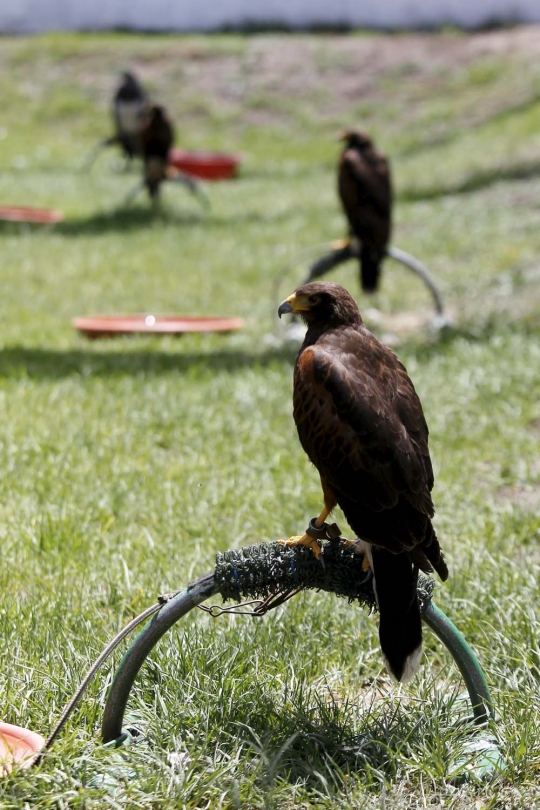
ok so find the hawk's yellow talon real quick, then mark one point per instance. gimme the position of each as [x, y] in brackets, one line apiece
[303, 540]
[338, 244]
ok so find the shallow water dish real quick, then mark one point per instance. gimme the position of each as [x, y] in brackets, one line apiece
[206, 165]
[17, 213]
[17, 746]
[102, 326]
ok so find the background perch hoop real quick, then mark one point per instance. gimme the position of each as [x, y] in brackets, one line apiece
[344, 253]
[420, 270]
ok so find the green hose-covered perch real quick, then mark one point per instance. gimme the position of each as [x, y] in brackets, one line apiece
[268, 574]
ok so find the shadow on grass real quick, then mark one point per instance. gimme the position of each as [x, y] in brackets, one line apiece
[321, 749]
[22, 361]
[474, 182]
[125, 219]
[20, 228]
[42, 363]
[135, 218]
[122, 219]
[449, 137]
[481, 332]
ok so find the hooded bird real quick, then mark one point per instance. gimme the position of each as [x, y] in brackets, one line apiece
[365, 192]
[129, 105]
[157, 136]
[361, 424]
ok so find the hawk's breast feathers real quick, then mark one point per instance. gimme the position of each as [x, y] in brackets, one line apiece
[361, 423]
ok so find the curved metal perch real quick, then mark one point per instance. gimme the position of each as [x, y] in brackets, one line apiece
[206, 587]
[276, 573]
[134, 658]
[421, 271]
[94, 153]
[345, 252]
[190, 183]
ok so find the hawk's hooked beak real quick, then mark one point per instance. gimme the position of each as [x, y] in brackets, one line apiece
[284, 308]
[294, 303]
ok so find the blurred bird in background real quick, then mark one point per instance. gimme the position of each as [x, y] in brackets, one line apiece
[129, 104]
[365, 191]
[156, 141]
[157, 138]
[130, 101]
[145, 130]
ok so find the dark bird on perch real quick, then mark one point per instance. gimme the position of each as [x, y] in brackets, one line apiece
[361, 423]
[129, 105]
[157, 136]
[365, 191]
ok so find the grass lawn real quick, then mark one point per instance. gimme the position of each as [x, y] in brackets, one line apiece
[127, 464]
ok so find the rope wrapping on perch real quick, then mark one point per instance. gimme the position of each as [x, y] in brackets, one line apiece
[272, 568]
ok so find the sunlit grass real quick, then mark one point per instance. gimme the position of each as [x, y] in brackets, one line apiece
[128, 464]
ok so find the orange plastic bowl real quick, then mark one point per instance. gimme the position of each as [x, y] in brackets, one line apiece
[17, 213]
[102, 326]
[205, 165]
[17, 746]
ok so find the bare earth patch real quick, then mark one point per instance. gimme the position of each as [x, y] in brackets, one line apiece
[261, 76]
[526, 497]
[341, 72]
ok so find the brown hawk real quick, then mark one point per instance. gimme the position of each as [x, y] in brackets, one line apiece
[361, 423]
[157, 137]
[365, 191]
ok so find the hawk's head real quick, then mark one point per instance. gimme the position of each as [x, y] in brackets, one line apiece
[322, 303]
[356, 139]
[155, 115]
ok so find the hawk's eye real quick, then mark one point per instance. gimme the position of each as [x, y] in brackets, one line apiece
[314, 299]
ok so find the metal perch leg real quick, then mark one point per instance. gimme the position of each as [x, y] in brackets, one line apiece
[481, 756]
[191, 184]
[466, 661]
[421, 271]
[133, 193]
[329, 262]
[135, 657]
[96, 151]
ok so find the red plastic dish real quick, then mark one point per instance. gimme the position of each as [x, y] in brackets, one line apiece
[16, 213]
[101, 326]
[17, 746]
[206, 165]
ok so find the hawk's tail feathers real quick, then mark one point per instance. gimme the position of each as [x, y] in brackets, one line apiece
[400, 622]
[433, 552]
[370, 269]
